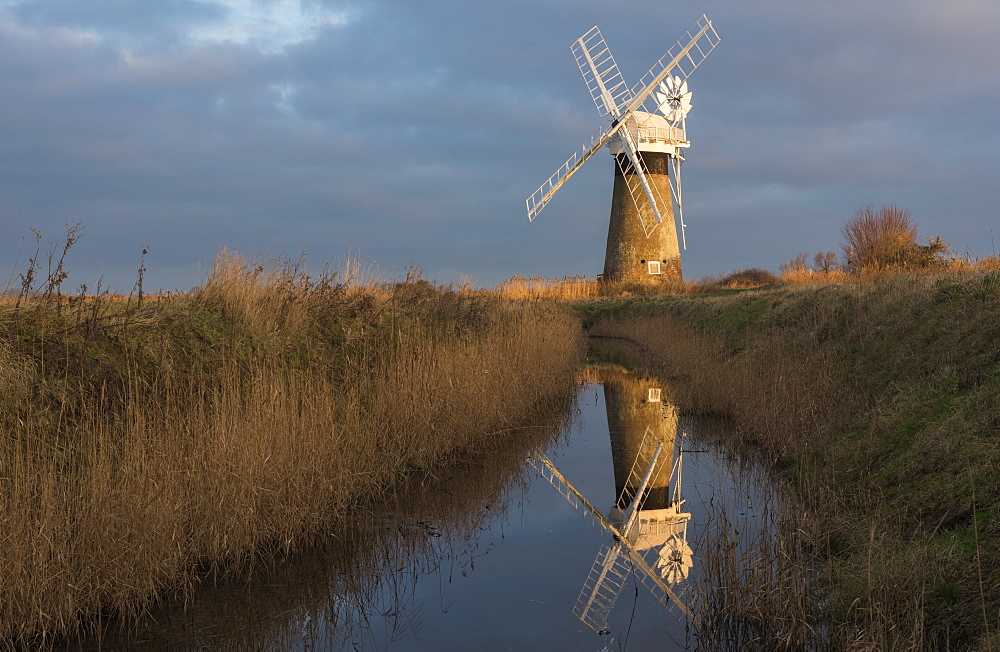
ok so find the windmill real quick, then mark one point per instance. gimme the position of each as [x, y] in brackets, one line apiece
[646, 136]
[637, 533]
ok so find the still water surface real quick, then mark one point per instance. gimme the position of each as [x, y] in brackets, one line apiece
[496, 557]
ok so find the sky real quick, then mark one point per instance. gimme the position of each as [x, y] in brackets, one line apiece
[410, 132]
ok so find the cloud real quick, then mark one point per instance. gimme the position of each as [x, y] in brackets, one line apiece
[271, 25]
[158, 24]
[413, 131]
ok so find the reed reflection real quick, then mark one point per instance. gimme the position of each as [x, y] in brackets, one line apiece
[356, 587]
[646, 521]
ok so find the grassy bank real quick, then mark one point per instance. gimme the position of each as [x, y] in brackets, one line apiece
[145, 443]
[877, 399]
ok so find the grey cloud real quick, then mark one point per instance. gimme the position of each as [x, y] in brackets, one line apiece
[160, 23]
[415, 131]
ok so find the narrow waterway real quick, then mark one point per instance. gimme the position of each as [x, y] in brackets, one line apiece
[502, 551]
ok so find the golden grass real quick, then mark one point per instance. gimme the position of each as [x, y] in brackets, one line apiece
[576, 288]
[582, 288]
[809, 276]
[143, 445]
[945, 267]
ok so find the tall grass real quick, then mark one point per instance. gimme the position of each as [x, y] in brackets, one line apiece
[876, 399]
[146, 444]
[575, 288]
[944, 268]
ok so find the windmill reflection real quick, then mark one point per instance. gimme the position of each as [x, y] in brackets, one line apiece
[638, 421]
[646, 520]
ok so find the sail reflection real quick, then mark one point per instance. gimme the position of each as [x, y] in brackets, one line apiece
[646, 521]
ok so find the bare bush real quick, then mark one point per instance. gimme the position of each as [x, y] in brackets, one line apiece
[879, 239]
[797, 264]
[825, 261]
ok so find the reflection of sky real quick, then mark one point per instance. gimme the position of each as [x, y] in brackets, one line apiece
[414, 131]
[524, 589]
[522, 593]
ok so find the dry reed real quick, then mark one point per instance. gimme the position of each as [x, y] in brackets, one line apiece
[576, 288]
[144, 445]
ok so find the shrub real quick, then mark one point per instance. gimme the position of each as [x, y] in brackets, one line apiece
[748, 278]
[879, 239]
[795, 265]
[825, 261]
[886, 239]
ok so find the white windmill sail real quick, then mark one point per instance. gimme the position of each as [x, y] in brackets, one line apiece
[680, 60]
[672, 71]
[676, 188]
[644, 466]
[538, 199]
[625, 106]
[600, 73]
[610, 93]
[652, 202]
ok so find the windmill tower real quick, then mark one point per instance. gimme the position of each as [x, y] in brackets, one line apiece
[646, 137]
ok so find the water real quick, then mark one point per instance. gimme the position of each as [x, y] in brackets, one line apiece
[488, 554]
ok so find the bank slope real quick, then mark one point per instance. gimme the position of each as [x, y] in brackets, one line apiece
[878, 400]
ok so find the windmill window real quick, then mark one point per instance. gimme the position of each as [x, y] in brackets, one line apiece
[654, 267]
[653, 395]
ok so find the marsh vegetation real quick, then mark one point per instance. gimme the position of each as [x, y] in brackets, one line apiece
[147, 442]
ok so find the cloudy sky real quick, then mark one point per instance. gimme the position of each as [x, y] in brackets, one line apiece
[413, 130]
